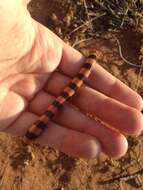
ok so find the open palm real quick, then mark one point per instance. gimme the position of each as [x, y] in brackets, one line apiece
[30, 80]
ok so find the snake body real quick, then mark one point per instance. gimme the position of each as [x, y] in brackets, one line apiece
[38, 127]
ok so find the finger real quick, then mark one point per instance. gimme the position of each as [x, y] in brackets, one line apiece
[112, 112]
[11, 108]
[100, 79]
[68, 141]
[75, 120]
[27, 85]
[3, 92]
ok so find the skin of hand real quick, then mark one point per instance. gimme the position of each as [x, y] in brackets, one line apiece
[29, 56]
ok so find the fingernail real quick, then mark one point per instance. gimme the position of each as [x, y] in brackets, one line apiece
[96, 150]
[92, 148]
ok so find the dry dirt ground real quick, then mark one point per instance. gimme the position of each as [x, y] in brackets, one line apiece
[35, 167]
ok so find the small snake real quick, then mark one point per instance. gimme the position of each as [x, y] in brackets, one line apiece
[38, 127]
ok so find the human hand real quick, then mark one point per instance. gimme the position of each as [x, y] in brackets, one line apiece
[29, 56]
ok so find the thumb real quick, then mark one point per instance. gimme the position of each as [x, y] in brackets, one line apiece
[27, 1]
[17, 31]
[10, 13]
